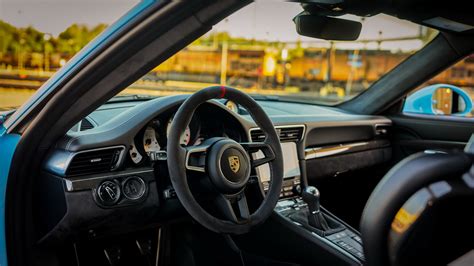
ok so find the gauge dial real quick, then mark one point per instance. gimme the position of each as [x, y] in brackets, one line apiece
[135, 155]
[232, 106]
[150, 143]
[185, 138]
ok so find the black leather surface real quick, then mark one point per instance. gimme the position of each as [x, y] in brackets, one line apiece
[402, 181]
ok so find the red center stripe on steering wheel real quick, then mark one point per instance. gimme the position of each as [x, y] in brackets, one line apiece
[222, 92]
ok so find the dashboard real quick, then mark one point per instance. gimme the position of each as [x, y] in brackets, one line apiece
[111, 168]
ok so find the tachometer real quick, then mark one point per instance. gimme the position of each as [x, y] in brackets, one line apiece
[185, 138]
[150, 143]
[232, 106]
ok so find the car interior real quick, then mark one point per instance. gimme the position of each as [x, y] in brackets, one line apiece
[222, 178]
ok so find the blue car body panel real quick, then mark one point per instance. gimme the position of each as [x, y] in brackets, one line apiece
[9, 142]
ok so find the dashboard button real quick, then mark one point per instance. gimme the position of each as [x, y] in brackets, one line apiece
[133, 188]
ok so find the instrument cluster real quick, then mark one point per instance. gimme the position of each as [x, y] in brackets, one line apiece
[208, 121]
[151, 142]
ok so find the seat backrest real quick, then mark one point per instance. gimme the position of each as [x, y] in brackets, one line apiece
[404, 180]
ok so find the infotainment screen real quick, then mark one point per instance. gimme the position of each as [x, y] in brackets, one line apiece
[291, 166]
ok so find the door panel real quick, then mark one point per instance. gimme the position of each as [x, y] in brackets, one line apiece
[414, 133]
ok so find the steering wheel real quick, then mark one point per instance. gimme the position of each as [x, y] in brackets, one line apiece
[227, 163]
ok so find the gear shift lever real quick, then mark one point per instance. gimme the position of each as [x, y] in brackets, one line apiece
[316, 219]
[311, 196]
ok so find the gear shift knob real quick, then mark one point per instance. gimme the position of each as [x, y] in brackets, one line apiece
[311, 196]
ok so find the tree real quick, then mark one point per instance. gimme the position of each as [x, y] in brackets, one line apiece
[29, 40]
[7, 32]
[76, 36]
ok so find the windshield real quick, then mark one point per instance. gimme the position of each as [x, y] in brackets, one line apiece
[38, 37]
[256, 50]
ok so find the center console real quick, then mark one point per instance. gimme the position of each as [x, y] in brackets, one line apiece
[299, 206]
[338, 235]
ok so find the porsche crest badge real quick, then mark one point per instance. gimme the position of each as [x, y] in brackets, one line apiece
[234, 163]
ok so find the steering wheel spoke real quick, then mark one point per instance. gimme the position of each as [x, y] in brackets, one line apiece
[254, 147]
[196, 158]
[234, 208]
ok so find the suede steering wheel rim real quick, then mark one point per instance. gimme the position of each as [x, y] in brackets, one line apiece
[227, 163]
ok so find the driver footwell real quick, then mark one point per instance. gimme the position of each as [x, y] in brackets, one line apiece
[180, 244]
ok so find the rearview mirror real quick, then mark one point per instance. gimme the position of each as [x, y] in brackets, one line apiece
[328, 28]
[439, 99]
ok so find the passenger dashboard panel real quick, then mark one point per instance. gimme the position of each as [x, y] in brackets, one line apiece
[324, 136]
[335, 150]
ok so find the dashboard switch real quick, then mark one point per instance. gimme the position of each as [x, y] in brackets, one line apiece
[134, 188]
[158, 156]
[108, 192]
[169, 193]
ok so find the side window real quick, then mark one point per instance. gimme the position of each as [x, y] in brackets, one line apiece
[450, 93]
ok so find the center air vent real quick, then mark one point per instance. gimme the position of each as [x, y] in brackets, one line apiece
[286, 134]
[95, 161]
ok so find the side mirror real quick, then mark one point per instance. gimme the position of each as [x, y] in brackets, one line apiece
[327, 28]
[439, 99]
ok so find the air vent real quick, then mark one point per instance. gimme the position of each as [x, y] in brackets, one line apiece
[86, 124]
[293, 134]
[257, 135]
[286, 134]
[94, 161]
